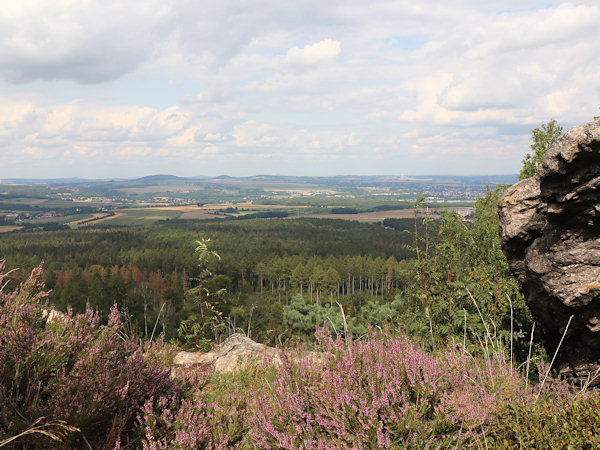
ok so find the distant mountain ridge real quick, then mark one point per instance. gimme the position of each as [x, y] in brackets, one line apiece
[167, 179]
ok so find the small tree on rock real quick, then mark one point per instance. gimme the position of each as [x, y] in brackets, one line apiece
[542, 139]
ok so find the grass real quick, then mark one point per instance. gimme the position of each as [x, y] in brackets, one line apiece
[24, 200]
[7, 228]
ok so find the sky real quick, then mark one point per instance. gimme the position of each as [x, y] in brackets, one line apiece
[104, 88]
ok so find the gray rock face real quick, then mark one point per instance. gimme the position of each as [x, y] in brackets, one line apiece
[550, 233]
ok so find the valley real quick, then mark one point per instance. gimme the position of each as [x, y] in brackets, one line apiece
[76, 203]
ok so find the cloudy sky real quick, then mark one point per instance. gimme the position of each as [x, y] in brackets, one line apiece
[123, 88]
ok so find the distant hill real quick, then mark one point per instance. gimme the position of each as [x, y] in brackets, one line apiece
[174, 179]
[159, 178]
[445, 186]
[478, 179]
[72, 180]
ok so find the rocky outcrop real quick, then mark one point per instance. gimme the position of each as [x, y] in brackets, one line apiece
[550, 233]
[237, 352]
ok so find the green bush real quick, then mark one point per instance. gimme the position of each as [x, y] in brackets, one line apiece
[548, 424]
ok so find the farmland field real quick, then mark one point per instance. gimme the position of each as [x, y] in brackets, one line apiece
[85, 217]
[378, 216]
[155, 189]
[199, 214]
[146, 216]
[68, 220]
[142, 216]
[6, 229]
[138, 216]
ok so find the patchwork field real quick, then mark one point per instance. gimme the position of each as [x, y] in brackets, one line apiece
[199, 214]
[379, 216]
[146, 216]
[7, 228]
[85, 218]
[61, 219]
[138, 216]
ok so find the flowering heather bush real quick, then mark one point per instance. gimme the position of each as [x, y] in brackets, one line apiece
[383, 391]
[380, 392]
[202, 420]
[71, 369]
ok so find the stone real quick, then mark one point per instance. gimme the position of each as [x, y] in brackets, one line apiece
[52, 315]
[237, 352]
[550, 233]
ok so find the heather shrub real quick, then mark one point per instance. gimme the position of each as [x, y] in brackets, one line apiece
[205, 418]
[213, 411]
[381, 391]
[72, 371]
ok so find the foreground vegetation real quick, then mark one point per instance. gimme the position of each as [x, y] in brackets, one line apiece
[67, 381]
[444, 283]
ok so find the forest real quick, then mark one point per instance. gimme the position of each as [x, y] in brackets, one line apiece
[276, 279]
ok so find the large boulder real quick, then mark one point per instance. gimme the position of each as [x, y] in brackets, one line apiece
[550, 233]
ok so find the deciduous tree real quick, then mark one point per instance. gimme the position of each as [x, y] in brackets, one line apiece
[542, 139]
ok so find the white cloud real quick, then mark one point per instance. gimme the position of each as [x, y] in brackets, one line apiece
[210, 150]
[533, 30]
[251, 134]
[158, 82]
[313, 54]
[87, 41]
[215, 95]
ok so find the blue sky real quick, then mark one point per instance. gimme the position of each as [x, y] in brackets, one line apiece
[192, 87]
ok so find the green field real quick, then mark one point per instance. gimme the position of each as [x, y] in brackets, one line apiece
[61, 219]
[140, 216]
